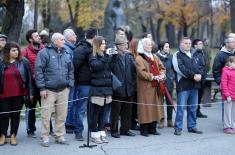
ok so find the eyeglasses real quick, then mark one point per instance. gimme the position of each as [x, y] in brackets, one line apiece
[3, 39]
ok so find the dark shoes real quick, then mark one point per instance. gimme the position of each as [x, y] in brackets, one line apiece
[32, 135]
[79, 137]
[135, 126]
[200, 115]
[115, 135]
[178, 132]
[69, 129]
[155, 133]
[195, 130]
[128, 133]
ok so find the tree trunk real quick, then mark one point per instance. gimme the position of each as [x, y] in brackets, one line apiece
[159, 23]
[13, 20]
[170, 33]
[192, 36]
[70, 13]
[180, 35]
[232, 15]
[46, 14]
[35, 22]
[76, 14]
[185, 30]
[152, 28]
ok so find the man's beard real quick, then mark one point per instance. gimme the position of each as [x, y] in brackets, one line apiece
[36, 44]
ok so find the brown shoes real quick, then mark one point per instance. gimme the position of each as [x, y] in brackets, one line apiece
[3, 140]
[13, 140]
[170, 124]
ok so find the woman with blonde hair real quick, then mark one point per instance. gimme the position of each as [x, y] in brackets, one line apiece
[101, 89]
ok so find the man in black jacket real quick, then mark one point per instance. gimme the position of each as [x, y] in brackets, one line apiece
[123, 66]
[222, 57]
[82, 76]
[188, 76]
[199, 54]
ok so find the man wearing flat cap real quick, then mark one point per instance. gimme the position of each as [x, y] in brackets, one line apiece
[123, 66]
[3, 41]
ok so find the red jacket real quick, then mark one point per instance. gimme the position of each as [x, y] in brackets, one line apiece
[228, 83]
[31, 54]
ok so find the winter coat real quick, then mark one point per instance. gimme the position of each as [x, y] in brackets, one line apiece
[54, 71]
[123, 66]
[146, 94]
[82, 73]
[219, 62]
[31, 54]
[228, 83]
[25, 71]
[186, 67]
[170, 74]
[101, 78]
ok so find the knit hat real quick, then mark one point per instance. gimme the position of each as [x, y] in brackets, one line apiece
[120, 39]
[3, 36]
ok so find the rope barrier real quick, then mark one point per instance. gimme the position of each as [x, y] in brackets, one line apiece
[157, 105]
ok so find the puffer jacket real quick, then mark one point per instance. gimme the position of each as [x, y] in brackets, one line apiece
[81, 56]
[54, 71]
[101, 78]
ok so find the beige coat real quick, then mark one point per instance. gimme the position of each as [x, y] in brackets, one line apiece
[148, 94]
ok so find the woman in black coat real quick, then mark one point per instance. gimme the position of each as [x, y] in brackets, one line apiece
[101, 89]
[15, 83]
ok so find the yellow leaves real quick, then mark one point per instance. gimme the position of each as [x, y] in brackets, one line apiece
[179, 12]
[91, 13]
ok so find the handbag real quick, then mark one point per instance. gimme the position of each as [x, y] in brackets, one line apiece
[116, 83]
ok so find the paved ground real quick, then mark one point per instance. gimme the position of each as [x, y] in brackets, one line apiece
[212, 142]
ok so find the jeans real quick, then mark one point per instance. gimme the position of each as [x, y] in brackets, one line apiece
[80, 107]
[190, 99]
[72, 99]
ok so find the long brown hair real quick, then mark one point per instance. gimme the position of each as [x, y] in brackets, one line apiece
[96, 46]
[133, 47]
[6, 51]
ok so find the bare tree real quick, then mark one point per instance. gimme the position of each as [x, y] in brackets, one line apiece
[73, 16]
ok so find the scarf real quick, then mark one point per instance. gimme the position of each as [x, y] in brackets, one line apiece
[153, 68]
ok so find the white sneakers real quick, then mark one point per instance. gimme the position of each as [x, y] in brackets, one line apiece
[99, 137]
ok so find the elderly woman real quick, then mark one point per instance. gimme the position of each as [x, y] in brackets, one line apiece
[150, 76]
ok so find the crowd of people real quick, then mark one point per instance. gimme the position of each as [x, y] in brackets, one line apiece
[125, 85]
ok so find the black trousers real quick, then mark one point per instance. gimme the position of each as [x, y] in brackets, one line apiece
[200, 95]
[96, 117]
[134, 118]
[32, 111]
[13, 104]
[124, 110]
[169, 108]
